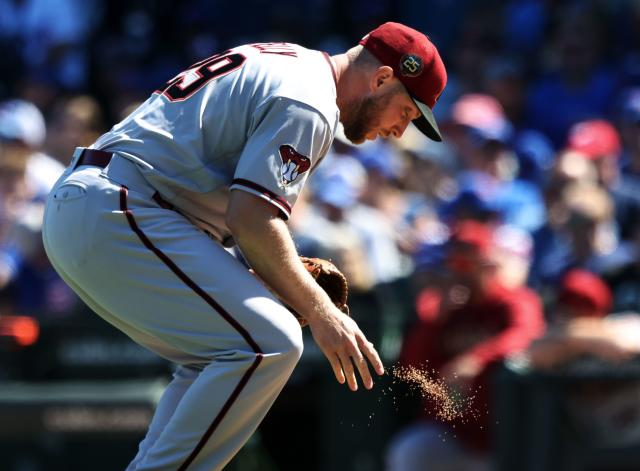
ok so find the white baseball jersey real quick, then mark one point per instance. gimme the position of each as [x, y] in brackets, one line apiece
[255, 118]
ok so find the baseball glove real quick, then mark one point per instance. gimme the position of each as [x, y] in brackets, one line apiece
[330, 279]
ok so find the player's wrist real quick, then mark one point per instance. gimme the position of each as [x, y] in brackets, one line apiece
[323, 309]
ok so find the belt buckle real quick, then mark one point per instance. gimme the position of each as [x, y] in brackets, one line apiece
[75, 158]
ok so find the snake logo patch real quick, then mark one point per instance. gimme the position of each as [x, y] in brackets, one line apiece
[294, 164]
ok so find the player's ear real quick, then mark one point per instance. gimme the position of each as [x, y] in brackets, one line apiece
[380, 77]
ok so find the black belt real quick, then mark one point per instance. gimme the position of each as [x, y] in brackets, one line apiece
[94, 157]
[101, 158]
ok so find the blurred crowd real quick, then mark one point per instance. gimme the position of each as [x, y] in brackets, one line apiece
[519, 234]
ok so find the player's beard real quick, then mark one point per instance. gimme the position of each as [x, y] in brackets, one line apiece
[364, 115]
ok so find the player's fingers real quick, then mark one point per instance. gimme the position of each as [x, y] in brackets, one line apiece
[334, 361]
[363, 369]
[370, 352]
[349, 372]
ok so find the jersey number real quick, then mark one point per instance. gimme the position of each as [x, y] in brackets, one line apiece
[186, 83]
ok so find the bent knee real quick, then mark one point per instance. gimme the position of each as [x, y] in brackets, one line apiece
[291, 342]
[286, 339]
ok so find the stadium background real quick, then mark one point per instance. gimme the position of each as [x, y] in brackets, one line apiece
[75, 394]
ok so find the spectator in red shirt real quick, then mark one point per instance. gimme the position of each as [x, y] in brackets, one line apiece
[584, 326]
[584, 334]
[466, 326]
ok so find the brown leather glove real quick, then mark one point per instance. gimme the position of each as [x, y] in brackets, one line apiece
[330, 279]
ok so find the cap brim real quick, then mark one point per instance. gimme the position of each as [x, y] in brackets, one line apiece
[427, 122]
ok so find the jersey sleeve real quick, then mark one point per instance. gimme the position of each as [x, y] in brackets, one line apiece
[287, 141]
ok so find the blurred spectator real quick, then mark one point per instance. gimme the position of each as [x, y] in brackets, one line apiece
[527, 77]
[384, 168]
[380, 214]
[440, 18]
[47, 39]
[427, 181]
[629, 120]
[15, 195]
[476, 41]
[505, 79]
[628, 183]
[429, 166]
[26, 176]
[580, 234]
[467, 324]
[482, 136]
[34, 288]
[582, 294]
[481, 133]
[582, 187]
[569, 168]
[624, 280]
[512, 255]
[583, 330]
[74, 122]
[354, 221]
[583, 300]
[625, 284]
[599, 142]
[535, 156]
[324, 230]
[477, 198]
[524, 25]
[578, 84]
[22, 134]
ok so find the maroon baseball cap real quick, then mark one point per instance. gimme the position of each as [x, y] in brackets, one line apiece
[594, 139]
[584, 290]
[416, 63]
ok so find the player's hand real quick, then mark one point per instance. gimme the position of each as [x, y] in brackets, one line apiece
[346, 348]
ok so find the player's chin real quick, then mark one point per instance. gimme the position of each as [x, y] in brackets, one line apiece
[361, 137]
[357, 141]
[355, 133]
[356, 138]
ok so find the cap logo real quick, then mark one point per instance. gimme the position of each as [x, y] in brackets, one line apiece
[411, 65]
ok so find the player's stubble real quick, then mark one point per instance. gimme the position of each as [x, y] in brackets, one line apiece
[364, 115]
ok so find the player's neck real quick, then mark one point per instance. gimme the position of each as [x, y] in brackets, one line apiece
[340, 64]
[348, 81]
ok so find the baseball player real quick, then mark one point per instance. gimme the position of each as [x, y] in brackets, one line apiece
[139, 224]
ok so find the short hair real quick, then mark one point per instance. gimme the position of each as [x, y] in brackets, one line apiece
[362, 58]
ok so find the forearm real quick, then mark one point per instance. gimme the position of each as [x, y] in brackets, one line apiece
[553, 351]
[266, 243]
[546, 353]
